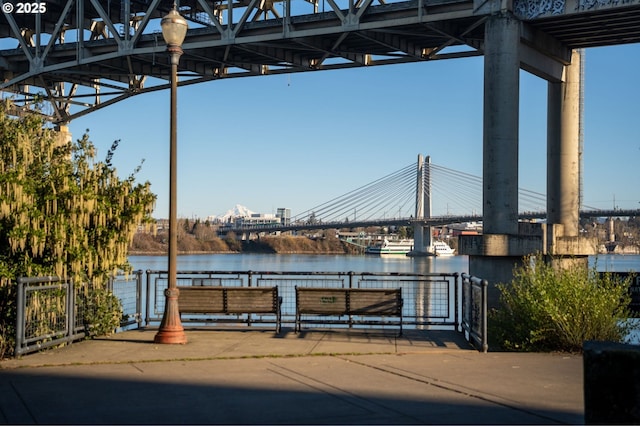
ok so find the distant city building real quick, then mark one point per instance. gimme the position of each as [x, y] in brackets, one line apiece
[240, 216]
[257, 219]
[466, 228]
[284, 215]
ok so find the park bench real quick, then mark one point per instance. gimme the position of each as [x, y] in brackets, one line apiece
[337, 302]
[230, 301]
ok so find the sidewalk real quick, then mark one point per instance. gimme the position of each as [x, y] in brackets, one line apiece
[235, 376]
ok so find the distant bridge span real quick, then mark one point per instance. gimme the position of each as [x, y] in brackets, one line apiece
[408, 221]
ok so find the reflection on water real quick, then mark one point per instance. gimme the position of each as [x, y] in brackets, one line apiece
[615, 262]
[305, 263]
[345, 263]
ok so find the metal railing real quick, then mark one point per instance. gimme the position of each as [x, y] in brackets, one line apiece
[128, 288]
[50, 313]
[46, 314]
[49, 310]
[430, 300]
[474, 311]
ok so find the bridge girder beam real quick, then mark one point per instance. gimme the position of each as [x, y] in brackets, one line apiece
[111, 61]
[543, 55]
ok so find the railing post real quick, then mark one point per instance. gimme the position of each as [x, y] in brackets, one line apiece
[485, 345]
[138, 297]
[348, 301]
[475, 311]
[146, 316]
[249, 284]
[71, 305]
[456, 291]
[20, 317]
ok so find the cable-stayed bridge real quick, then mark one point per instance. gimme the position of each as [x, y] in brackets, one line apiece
[394, 200]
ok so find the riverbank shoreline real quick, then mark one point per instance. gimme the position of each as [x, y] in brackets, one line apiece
[268, 245]
[196, 253]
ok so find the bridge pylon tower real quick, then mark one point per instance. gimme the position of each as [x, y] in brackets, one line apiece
[422, 235]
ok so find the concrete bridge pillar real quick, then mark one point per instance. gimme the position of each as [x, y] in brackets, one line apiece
[503, 244]
[505, 241]
[562, 241]
[64, 135]
[501, 112]
[563, 149]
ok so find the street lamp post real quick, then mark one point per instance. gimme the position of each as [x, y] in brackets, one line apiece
[174, 30]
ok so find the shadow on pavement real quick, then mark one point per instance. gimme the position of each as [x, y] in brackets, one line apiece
[43, 398]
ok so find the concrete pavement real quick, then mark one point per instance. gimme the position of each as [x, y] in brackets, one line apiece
[241, 376]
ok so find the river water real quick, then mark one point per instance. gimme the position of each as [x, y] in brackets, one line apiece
[304, 263]
[344, 263]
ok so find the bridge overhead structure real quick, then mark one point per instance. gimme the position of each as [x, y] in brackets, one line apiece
[84, 55]
[77, 56]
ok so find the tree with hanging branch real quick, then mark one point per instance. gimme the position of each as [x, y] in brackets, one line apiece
[62, 212]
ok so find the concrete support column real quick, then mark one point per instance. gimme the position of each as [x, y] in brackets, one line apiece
[64, 135]
[563, 149]
[501, 113]
[493, 255]
[562, 241]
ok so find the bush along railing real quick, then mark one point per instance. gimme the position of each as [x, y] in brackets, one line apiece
[474, 311]
[546, 308]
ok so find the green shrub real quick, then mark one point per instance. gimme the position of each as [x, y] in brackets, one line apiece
[546, 309]
[102, 312]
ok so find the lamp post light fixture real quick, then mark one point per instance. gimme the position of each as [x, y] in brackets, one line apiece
[174, 30]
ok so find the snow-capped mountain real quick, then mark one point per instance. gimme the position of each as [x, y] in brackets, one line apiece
[237, 211]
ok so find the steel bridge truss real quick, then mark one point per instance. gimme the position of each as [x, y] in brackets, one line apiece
[77, 56]
[83, 55]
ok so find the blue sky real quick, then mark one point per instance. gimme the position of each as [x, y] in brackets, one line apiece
[299, 140]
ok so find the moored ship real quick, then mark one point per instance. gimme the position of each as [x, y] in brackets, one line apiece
[390, 247]
[405, 247]
[440, 248]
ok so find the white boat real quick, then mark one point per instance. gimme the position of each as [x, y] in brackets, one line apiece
[390, 247]
[440, 248]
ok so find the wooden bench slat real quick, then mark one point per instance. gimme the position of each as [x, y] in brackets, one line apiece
[261, 300]
[201, 300]
[376, 302]
[325, 301]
